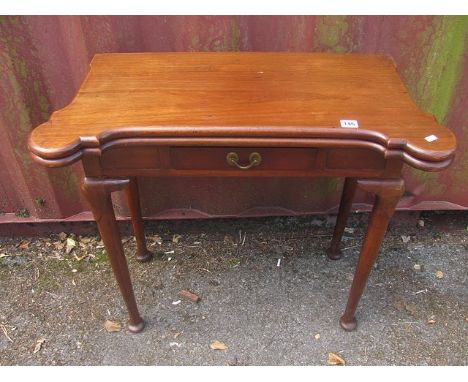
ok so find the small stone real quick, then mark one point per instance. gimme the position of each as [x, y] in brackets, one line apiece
[439, 274]
[405, 239]
[317, 336]
[421, 223]
[217, 345]
[417, 267]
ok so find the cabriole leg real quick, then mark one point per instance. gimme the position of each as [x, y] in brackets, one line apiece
[98, 193]
[347, 196]
[387, 194]
[133, 198]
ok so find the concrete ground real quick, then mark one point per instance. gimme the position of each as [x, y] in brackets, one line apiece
[55, 300]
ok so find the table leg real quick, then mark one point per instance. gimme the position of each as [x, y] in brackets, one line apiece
[347, 196]
[98, 194]
[387, 194]
[133, 199]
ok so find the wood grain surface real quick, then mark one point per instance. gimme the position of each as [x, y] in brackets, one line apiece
[243, 95]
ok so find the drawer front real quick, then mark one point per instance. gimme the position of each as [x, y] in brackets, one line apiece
[354, 159]
[143, 157]
[216, 158]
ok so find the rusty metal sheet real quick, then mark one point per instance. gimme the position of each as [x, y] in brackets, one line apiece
[43, 60]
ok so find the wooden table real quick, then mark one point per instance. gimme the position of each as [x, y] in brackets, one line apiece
[242, 115]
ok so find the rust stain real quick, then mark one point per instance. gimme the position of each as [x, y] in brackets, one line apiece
[43, 60]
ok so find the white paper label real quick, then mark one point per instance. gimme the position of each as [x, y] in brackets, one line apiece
[349, 123]
[431, 138]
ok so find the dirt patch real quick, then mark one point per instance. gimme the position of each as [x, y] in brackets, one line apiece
[266, 291]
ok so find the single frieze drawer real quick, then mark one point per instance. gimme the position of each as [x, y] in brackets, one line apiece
[243, 158]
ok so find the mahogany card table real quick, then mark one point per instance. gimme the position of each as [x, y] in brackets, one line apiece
[241, 115]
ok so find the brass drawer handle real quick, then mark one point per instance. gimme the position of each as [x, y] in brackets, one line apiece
[233, 160]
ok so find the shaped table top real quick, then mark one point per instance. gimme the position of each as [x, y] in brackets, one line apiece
[242, 94]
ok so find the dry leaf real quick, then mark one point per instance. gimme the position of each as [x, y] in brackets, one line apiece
[216, 345]
[402, 305]
[421, 223]
[399, 305]
[112, 326]
[439, 274]
[70, 245]
[431, 321]
[59, 245]
[233, 262]
[228, 239]
[335, 359]
[405, 239]
[62, 236]
[176, 238]
[189, 295]
[5, 327]
[411, 308]
[38, 346]
[24, 245]
[417, 267]
[79, 258]
[156, 240]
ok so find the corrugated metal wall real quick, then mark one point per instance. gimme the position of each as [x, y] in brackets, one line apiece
[43, 60]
